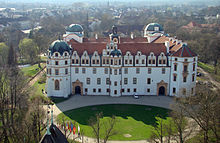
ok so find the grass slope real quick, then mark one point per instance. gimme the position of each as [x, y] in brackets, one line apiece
[136, 120]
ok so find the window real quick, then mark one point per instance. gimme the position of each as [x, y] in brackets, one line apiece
[56, 55]
[99, 90]
[137, 70]
[137, 61]
[87, 80]
[175, 59]
[163, 70]
[94, 90]
[77, 61]
[194, 65]
[185, 60]
[83, 61]
[149, 61]
[134, 80]
[174, 77]
[164, 61]
[175, 67]
[125, 80]
[115, 83]
[122, 90]
[56, 71]
[184, 79]
[115, 71]
[66, 71]
[185, 68]
[193, 77]
[94, 71]
[159, 61]
[103, 62]
[148, 80]
[49, 71]
[111, 62]
[86, 89]
[107, 90]
[128, 90]
[87, 61]
[115, 92]
[83, 70]
[184, 91]
[76, 70]
[57, 85]
[65, 54]
[192, 90]
[107, 61]
[135, 90]
[143, 62]
[93, 61]
[106, 70]
[73, 61]
[56, 62]
[66, 62]
[98, 80]
[126, 71]
[174, 90]
[149, 70]
[148, 90]
[48, 62]
[153, 61]
[130, 61]
[119, 71]
[97, 61]
[119, 62]
[126, 61]
[107, 80]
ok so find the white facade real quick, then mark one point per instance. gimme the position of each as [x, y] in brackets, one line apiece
[113, 72]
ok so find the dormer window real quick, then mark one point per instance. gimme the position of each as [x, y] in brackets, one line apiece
[156, 28]
[56, 63]
[56, 54]
[65, 54]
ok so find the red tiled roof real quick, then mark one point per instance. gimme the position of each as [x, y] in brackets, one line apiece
[184, 51]
[145, 48]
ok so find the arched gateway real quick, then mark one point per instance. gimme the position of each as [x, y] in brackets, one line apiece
[77, 87]
[162, 88]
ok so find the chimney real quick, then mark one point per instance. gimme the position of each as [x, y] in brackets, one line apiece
[96, 36]
[167, 44]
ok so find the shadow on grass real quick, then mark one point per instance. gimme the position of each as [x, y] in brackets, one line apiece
[143, 113]
[57, 99]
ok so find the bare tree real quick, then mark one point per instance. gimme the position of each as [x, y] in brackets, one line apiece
[108, 127]
[203, 109]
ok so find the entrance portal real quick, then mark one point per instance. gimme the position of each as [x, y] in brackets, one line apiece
[162, 90]
[77, 90]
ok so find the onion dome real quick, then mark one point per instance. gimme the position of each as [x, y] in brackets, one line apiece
[154, 27]
[74, 28]
[115, 53]
[59, 46]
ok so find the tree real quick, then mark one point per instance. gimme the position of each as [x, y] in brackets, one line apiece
[29, 50]
[158, 132]
[203, 109]
[107, 125]
[3, 54]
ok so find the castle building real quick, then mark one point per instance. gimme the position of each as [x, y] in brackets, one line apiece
[154, 64]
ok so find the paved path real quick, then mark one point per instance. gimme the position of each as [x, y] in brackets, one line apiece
[78, 101]
[217, 84]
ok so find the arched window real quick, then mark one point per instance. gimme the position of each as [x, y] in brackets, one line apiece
[57, 85]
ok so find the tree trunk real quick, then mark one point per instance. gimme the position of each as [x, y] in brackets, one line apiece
[206, 137]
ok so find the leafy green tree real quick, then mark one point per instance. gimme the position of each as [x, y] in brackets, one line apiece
[29, 50]
[3, 54]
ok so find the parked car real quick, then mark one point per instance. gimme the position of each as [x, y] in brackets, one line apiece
[136, 96]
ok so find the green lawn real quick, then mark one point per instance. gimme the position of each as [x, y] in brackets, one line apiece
[136, 120]
[32, 70]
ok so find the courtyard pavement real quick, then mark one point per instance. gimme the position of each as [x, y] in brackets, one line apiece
[78, 101]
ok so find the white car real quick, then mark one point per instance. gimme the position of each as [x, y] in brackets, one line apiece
[136, 96]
